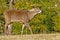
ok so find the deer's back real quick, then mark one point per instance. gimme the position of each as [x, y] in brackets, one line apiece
[17, 15]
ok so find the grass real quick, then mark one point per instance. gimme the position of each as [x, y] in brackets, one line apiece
[31, 37]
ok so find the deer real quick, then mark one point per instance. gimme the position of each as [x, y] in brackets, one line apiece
[23, 16]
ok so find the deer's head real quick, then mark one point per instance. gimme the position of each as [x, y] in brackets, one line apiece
[35, 10]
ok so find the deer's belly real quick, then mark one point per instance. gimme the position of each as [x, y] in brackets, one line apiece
[16, 20]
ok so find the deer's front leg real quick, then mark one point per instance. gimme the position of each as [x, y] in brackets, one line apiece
[28, 26]
[22, 28]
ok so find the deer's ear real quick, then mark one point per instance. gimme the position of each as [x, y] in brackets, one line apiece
[31, 10]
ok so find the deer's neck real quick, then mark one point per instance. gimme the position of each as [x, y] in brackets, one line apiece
[31, 15]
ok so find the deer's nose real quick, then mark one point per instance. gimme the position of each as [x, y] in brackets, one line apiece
[40, 11]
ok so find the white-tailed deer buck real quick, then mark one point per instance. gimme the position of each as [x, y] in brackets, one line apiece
[23, 16]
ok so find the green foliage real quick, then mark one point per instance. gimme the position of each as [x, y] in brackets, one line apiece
[46, 22]
[16, 28]
[2, 8]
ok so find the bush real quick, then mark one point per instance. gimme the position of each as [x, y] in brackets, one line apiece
[46, 22]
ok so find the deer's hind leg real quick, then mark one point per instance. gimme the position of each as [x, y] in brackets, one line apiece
[6, 28]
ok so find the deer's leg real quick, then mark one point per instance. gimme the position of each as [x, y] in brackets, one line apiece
[22, 28]
[28, 26]
[9, 29]
[6, 26]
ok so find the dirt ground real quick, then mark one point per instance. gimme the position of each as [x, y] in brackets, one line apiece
[31, 37]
